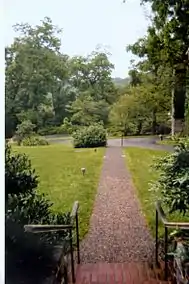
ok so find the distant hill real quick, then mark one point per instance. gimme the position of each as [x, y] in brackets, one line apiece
[120, 81]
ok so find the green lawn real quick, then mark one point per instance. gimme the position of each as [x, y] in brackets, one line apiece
[59, 169]
[139, 162]
[131, 136]
[166, 142]
[170, 141]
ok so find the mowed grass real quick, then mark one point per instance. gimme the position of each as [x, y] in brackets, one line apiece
[60, 178]
[140, 163]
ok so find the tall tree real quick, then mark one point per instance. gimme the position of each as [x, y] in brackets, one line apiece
[34, 67]
[166, 44]
[91, 76]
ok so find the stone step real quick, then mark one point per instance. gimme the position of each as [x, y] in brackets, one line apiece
[117, 273]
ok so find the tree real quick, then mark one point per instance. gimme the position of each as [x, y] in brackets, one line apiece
[94, 73]
[34, 68]
[91, 76]
[165, 45]
[86, 111]
[142, 106]
[129, 113]
[45, 86]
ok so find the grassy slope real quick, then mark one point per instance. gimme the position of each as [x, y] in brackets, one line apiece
[139, 162]
[59, 169]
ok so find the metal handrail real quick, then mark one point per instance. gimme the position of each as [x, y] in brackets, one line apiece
[57, 228]
[167, 225]
[177, 225]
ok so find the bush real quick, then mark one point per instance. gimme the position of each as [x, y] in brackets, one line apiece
[19, 175]
[24, 130]
[22, 199]
[34, 208]
[34, 141]
[173, 182]
[88, 137]
[67, 126]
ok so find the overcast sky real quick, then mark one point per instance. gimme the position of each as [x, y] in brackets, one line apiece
[86, 24]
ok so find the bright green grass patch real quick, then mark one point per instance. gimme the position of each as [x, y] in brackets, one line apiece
[166, 142]
[140, 163]
[59, 170]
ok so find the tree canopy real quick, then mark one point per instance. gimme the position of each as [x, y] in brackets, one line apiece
[45, 87]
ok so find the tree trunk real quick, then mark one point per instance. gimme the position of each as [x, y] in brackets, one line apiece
[154, 122]
[173, 112]
[139, 128]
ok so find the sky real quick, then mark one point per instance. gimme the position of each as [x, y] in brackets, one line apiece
[86, 24]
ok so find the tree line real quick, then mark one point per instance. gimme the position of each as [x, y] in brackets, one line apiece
[55, 91]
[162, 72]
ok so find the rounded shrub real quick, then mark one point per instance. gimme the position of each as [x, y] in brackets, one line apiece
[89, 137]
[34, 141]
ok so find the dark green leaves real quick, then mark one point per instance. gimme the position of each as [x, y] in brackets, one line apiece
[173, 182]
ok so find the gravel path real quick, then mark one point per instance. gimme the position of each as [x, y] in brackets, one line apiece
[118, 231]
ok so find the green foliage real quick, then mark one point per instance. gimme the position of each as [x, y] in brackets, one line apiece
[163, 56]
[51, 130]
[44, 86]
[140, 110]
[25, 130]
[35, 69]
[34, 208]
[91, 76]
[34, 141]
[19, 175]
[67, 126]
[91, 136]
[173, 182]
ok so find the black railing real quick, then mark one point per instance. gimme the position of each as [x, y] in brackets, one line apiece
[160, 215]
[74, 225]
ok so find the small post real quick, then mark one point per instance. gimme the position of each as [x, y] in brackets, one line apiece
[72, 257]
[122, 140]
[77, 235]
[166, 256]
[161, 137]
[157, 262]
[83, 170]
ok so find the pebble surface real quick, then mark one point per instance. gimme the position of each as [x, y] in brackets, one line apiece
[118, 231]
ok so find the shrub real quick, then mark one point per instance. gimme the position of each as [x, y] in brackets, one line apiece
[67, 126]
[25, 129]
[34, 141]
[22, 199]
[34, 208]
[173, 182]
[88, 137]
[19, 175]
